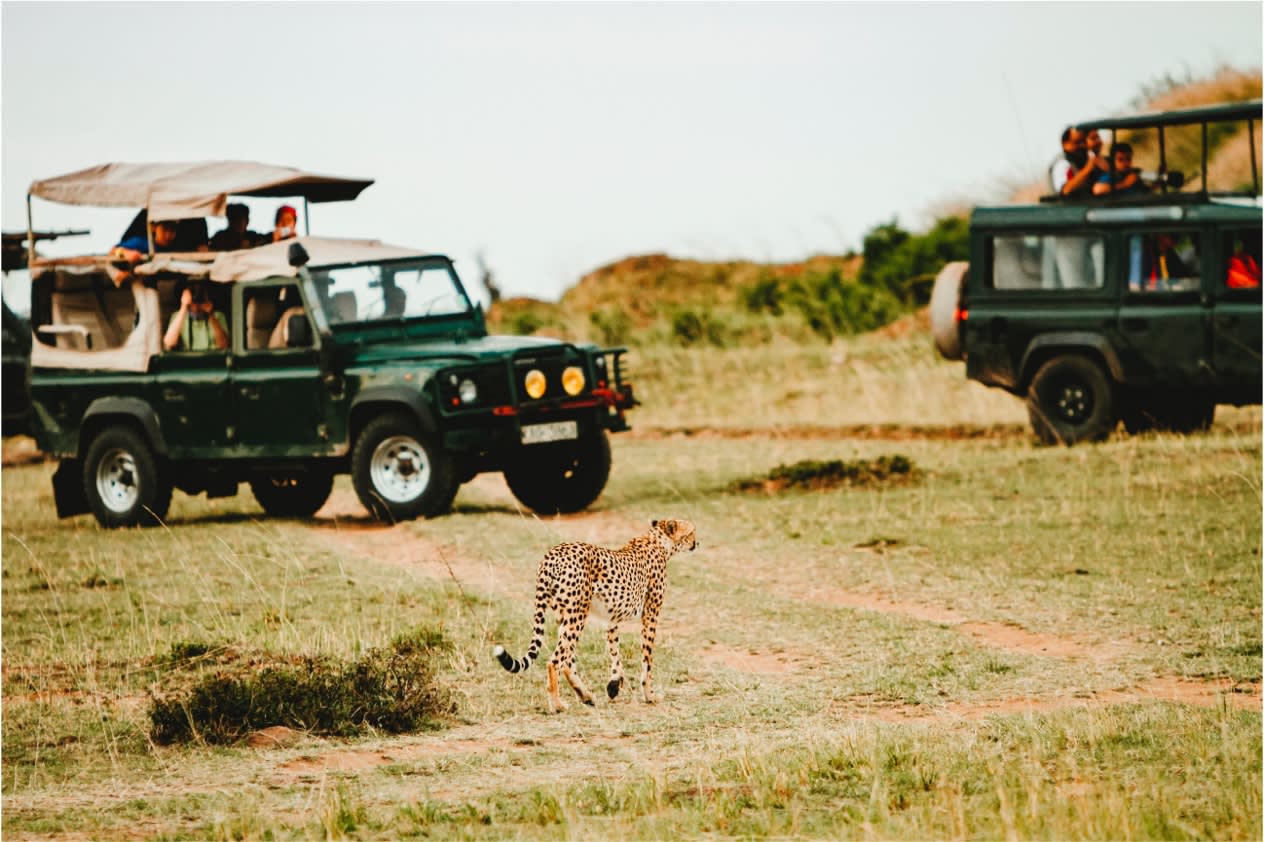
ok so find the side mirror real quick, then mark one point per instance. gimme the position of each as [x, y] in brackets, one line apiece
[298, 332]
[297, 255]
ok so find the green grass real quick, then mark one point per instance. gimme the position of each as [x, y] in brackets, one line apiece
[852, 662]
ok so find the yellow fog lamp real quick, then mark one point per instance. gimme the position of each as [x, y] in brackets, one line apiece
[573, 380]
[535, 384]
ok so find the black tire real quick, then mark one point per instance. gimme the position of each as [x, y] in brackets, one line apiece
[399, 472]
[123, 481]
[1168, 412]
[297, 494]
[1071, 400]
[563, 478]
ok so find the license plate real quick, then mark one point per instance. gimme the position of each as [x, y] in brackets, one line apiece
[556, 431]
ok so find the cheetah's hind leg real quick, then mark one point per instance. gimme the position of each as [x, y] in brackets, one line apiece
[616, 663]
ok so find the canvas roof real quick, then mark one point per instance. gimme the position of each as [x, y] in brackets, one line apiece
[272, 260]
[190, 189]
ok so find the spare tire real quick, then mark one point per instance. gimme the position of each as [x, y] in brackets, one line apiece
[945, 297]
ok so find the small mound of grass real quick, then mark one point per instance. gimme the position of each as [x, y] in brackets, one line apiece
[391, 689]
[815, 475]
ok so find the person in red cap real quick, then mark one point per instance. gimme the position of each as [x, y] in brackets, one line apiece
[286, 223]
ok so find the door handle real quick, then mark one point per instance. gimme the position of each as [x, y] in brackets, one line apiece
[172, 395]
[1135, 324]
[250, 392]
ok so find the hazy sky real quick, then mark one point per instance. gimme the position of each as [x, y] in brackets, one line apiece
[556, 138]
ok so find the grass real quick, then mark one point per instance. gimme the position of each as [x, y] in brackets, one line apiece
[759, 661]
[1026, 642]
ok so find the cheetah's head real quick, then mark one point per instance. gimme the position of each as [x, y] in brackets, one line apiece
[679, 532]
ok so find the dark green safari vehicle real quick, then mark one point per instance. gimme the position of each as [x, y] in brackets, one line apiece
[1142, 309]
[345, 356]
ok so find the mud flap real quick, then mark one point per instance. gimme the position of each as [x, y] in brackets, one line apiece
[68, 489]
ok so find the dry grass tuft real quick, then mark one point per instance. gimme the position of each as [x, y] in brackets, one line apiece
[817, 475]
[392, 689]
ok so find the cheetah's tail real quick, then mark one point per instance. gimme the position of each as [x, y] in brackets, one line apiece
[513, 664]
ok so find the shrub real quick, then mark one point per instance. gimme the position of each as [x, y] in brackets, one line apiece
[763, 296]
[693, 327]
[613, 326]
[392, 689]
[815, 474]
[904, 264]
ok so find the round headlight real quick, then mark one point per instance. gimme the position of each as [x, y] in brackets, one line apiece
[535, 383]
[573, 380]
[467, 391]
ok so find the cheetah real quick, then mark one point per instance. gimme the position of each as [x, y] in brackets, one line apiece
[629, 582]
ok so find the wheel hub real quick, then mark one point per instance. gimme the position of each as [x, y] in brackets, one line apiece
[400, 469]
[1074, 402]
[116, 481]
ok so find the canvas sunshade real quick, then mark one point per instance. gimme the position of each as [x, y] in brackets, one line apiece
[273, 259]
[191, 189]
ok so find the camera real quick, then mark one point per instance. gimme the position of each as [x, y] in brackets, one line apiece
[198, 297]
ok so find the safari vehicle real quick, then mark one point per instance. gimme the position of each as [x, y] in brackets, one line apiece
[1141, 309]
[346, 356]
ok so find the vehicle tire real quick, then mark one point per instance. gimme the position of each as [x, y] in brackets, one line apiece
[945, 297]
[1173, 413]
[296, 494]
[1071, 400]
[1138, 414]
[123, 481]
[1184, 413]
[560, 478]
[399, 472]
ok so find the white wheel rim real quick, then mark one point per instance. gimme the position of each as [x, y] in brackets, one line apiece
[400, 469]
[117, 485]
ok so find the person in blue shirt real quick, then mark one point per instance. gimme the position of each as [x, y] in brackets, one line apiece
[1125, 180]
[136, 248]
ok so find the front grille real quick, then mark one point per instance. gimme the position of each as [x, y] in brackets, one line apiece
[552, 366]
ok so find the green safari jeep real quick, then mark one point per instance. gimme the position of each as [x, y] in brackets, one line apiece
[345, 356]
[1143, 308]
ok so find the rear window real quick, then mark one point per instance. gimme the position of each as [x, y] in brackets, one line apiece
[1047, 262]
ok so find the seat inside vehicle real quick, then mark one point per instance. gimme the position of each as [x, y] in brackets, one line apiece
[261, 320]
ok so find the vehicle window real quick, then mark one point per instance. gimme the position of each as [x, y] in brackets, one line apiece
[1045, 262]
[269, 314]
[387, 292]
[1241, 250]
[1163, 262]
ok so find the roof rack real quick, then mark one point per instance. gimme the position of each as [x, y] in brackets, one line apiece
[1250, 111]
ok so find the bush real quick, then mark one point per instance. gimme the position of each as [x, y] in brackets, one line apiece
[763, 296]
[903, 264]
[815, 474]
[391, 689]
[692, 327]
[613, 326]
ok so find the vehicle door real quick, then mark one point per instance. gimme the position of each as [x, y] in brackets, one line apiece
[190, 393]
[1164, 318]
[1039, 285]
[278, 397]
[1235, 292]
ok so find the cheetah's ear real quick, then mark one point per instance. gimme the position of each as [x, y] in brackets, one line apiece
[667, 527]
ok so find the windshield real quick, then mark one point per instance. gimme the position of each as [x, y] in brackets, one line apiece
[391, 291]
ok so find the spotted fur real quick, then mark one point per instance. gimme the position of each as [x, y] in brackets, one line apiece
[629, 581]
